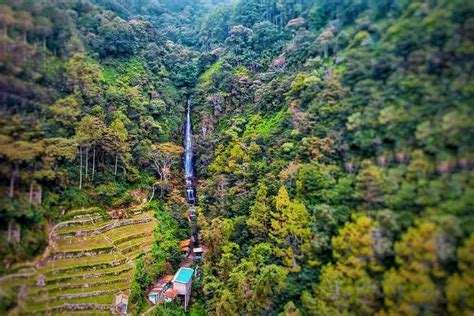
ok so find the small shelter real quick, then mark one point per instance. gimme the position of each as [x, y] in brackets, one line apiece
[170, 295]
[193, 213]
[157, 293]
[185, 245]
[121, 303]
[198, 254]
[40, 281]
[182, 284]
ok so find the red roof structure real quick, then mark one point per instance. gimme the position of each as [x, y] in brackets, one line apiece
[171, 293]
[161, 284]
[185, 243]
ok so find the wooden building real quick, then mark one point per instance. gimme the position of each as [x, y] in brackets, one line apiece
[170, 295]
[198, 254]
[121, 304]
[182, 284]
[185, 246]
[157, 293]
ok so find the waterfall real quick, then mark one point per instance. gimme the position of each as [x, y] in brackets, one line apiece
[188, 157]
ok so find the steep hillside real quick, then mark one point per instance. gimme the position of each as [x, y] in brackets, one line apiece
[333, 148]
[335, 152]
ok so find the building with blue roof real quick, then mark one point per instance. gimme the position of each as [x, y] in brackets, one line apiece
[182, 283]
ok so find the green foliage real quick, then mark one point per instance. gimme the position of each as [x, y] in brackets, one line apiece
[264, 127]
[165, 248]
[259, 217]
[459, 289]
[140, 282]
[422, 255]
[290, 231]
[169, 309]
[206, 77]
[356, 118]
[8, 299]
[86, 92]
[347, 287]
[333, 142]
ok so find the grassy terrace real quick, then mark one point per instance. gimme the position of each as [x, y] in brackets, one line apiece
[83, 263]
[105, 299]
[76, 244]
[83, 211]
[79, 293]
[134, 254]
[125, 233]
[83, 282]
[85, 274]
[84, 224]
[84, 313]
[98, 223]
[16, 282]
[84, 290]
[132, 244]
[102, 266]
[101, 242]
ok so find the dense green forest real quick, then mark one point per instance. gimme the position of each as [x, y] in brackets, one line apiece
[334, 145]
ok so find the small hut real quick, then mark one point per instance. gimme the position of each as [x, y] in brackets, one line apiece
[198, 254]
[185, 246]
[193, 213]
[157, 293]
[121, 303]
[170, 295]
[40, 281]
[182, 284]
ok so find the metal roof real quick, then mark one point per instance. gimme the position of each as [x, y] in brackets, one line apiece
[184, 275]
[185, 243]
[171, 293]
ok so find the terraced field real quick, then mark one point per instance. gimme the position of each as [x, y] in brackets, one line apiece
[88, 261]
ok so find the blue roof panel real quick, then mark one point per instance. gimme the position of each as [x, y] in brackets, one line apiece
[184, 275]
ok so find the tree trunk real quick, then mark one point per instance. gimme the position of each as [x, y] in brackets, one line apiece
[80, 168]
[25, 41]
[5, 31]
[116, 163]
[162, 177]
[31, 192]
[10, 224]
[87, 162]
[44, 42]
[152, 192]
[93, 163]
[12, 184]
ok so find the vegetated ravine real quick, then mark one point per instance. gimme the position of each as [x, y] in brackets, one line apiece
[331, 144]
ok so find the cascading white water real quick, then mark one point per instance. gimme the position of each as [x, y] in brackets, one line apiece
[188, 145]
[188, 157]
